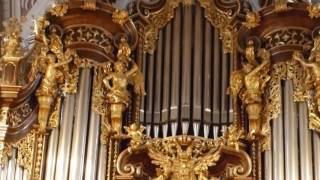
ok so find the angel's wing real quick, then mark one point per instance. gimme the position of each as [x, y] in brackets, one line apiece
[236, 82]
[137, 80]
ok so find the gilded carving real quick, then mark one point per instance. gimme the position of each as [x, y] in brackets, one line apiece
[90, 5]
[314, 10]
[55, 115]
[183, 158]
[252, 20]
[11, 52]
[90, 35]
[156, 22]
[120, 16]
[221, 20]
[281, 5]
[292, 36]
[249, 84]
[125, 72]
[26, 148]
[59, 10]
[54, 60]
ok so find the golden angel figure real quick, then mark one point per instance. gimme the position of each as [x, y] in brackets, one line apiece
[249, 84]
[116, 83]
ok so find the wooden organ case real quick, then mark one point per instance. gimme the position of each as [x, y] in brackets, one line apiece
[170, 89]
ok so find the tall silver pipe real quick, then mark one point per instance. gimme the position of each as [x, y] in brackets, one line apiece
[80, 127]
[291, 134]
[207, 70]
[216, 79]
[224, 85]
[64, 146]
[305, 143]
[52, 154]
[142, 107]
[150, 89]
[197, 65]
[186, 64]
[230, 98]
[277, 148]
[157, 90]
[102, 164]
[316, 155]
[175, 70]
[92, 147]
[166, 75]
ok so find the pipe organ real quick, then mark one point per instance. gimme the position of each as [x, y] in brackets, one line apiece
[187, 79]
[163, 90]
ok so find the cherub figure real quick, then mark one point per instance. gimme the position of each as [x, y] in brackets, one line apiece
[249, 84]
[135, 133]
[116, 83]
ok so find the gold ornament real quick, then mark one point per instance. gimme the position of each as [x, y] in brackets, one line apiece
[59, 10]
[252, 20]
[120, 16]
[314, 10]
[116, 84]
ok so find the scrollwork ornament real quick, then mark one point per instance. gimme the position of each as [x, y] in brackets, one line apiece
[59, 10]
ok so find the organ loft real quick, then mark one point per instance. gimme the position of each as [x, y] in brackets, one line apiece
[160, 90]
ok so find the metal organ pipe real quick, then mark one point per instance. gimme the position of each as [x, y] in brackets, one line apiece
[157, 86]
[316, 155]
[175, 83]
[197, 71]
[166, 81]
[92, 146]
[52, 154]
[80, 127]
[291, 134]
[277, 147]
[186, 68]
[305, 143]
[187, 78]
[65, 135]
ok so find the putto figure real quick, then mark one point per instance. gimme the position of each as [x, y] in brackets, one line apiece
[125, 72]
[249, 84]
